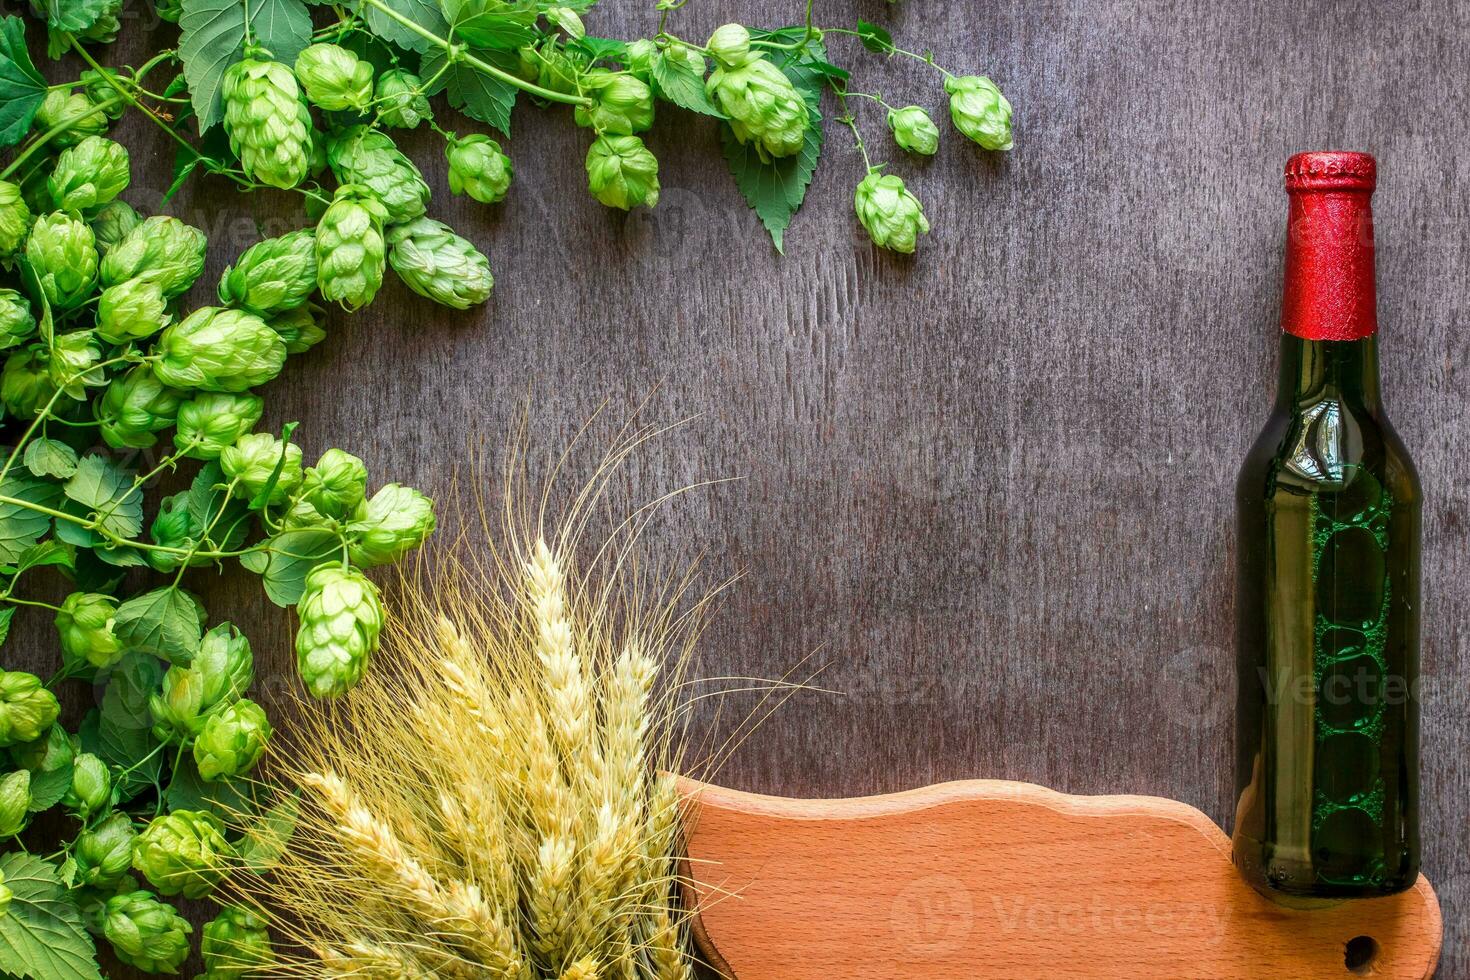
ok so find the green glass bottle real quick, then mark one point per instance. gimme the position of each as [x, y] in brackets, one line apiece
[1327, 600]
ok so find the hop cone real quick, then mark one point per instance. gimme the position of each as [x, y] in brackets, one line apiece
[763, 106]
[182, 853]
[15, 802]
[159, 249]
[73, 365]
[341, 618]
[17, 323]
[25, 383]
[63, 253]
[400, 103]
[15, 218]
[211, 422]
[254, 459]
[220, 672]
[232, 741]
[91, 786]
[350, 250]
[395, 521]
[273, 275]
[131, 310]
[336, 484]
[622, 172]
[302, 328]
[913, 130]
[435, 262]
[369, 158]
[73, 111]
[89, 174]
[104, 853]
[84, 622]
[893, 217]
[112, 222]
[26, 708]
[215, 349]
[980, 111]
[234, 944]
[622, 104]
[477, 167]
[135, 408]
[335, 78]
[145, 932]
[267, 121]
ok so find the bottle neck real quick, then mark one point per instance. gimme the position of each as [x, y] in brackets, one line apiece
[1338, 370]
[1328, 291]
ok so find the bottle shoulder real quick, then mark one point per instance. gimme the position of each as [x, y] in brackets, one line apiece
[1324, 447]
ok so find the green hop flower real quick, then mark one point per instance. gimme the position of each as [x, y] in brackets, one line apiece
[622, 172]
[182, 853]
[105, 28]
[25, 382]
[26, 708]
[350, 250]
[267, 121]
[135, 408]
[401, 104]
[112, 222]
[980, 111]
[15, 802]
[17, 323]
[101, 91]
[72, 110]
[214, 349]
[220, 673]
[15, 218]
[913, 130]
[146, 933]
[302, 328]
[341, 618]
[893, 217]
[169, 10]
[44, 756]
[211, 422]
[105, 852]
[131, 310]
[91, 786]
[395, 521]
[235, 944]
[173, 527]
[272, 275]
[369, 158]
[557, 68]
[160, 249]
[73, 363]
[336, 484]
[89, 174]
[622, 103]
[435, 262]
[683, 56]
[301, 515]
[477, 167]
[255, 458]
[63, 253]
[335, 78]
[232, 741]
[85, 621]
[763, 106]
[640, 56]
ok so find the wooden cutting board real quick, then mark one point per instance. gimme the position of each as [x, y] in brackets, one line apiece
[1001, 879]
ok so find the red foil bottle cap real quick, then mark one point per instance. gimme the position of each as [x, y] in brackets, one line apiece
[1328, 292]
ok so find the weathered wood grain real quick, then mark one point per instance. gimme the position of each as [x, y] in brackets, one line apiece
[989, 486]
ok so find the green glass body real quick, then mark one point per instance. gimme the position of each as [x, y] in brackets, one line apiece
[1328, 636]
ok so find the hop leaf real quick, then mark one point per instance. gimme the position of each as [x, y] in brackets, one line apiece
[435, 262]
[980, 111]
[341, 619]
[369, 158]
[89, 174]
[267, 121]
[350, 250]
[477, 167]
[273, 275]
[215, 349]
[893, 217]
[335, 78]
[622, 172]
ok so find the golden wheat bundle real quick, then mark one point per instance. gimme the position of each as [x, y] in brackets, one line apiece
[495, 799]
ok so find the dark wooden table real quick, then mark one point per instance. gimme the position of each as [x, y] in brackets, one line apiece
[990, 485]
